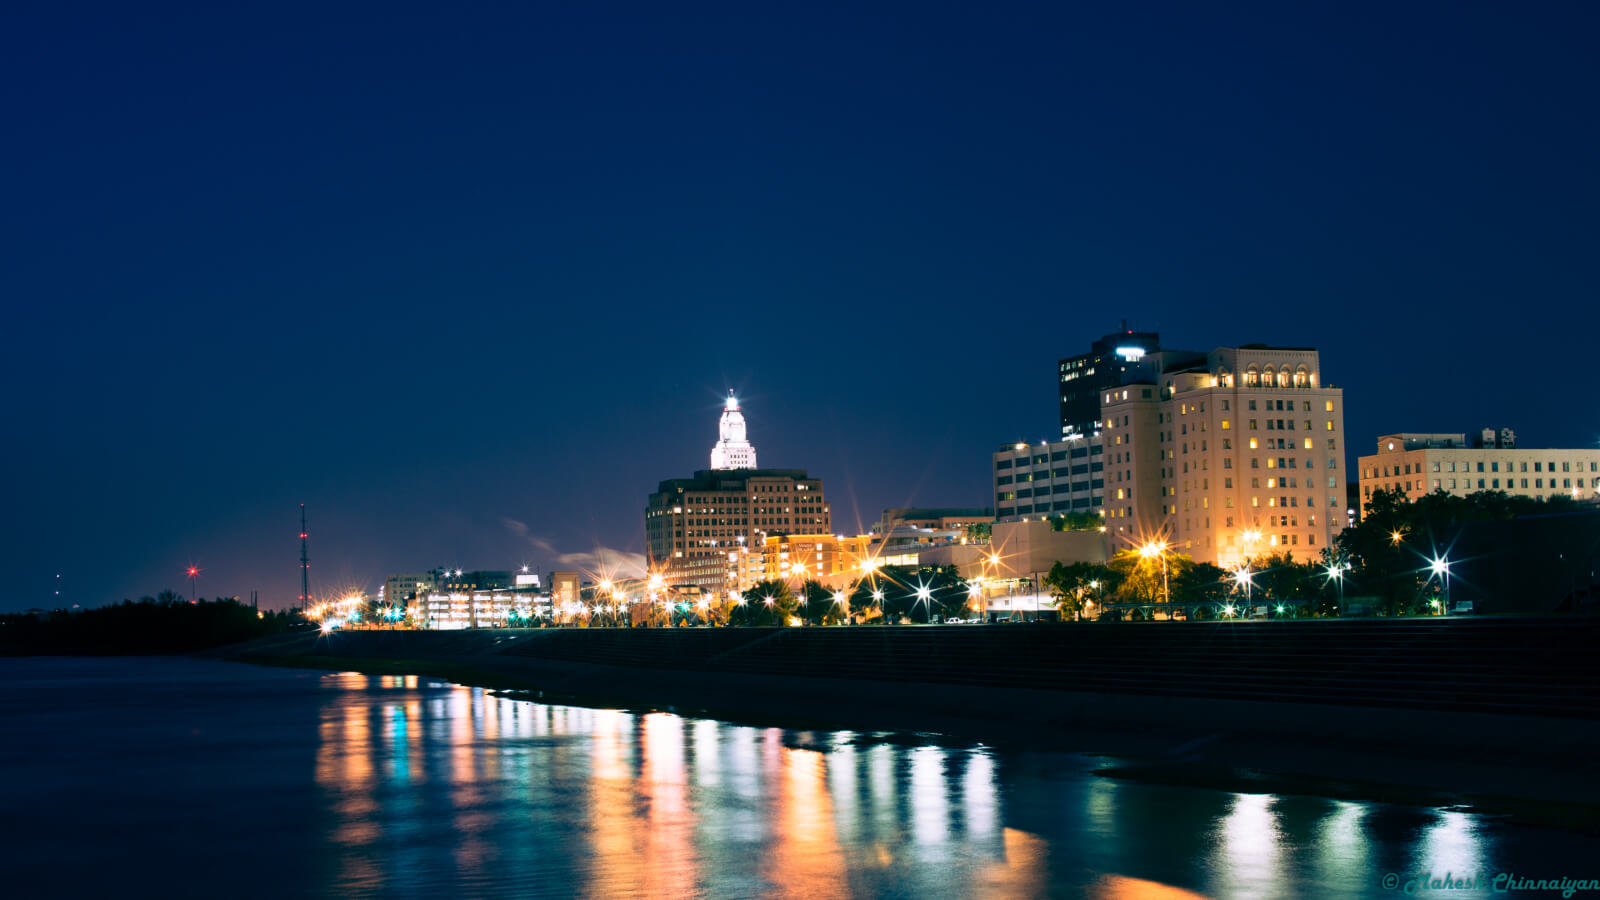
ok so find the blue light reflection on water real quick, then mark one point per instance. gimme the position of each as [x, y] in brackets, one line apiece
[346, 784]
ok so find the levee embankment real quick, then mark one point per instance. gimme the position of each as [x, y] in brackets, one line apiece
[1502, 707]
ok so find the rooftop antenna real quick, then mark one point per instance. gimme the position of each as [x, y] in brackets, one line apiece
[305, 563]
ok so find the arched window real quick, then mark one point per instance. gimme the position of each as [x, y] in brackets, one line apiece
[1251, 377]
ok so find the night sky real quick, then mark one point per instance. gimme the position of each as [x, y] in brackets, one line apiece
[469, 282]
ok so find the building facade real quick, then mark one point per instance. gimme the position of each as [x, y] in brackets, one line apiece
[403, 590]
[1419, 464]
[449, 611]
[1226, 456]
[834, 560]
[1049, 478]
[1085, 377]
[695, 528]
[708, 531]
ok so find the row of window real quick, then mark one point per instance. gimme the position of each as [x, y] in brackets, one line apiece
[1055, 456]
[1492, 484]
[1051, 475]
[1494, 466]
[1044, 490]
[1082, 503]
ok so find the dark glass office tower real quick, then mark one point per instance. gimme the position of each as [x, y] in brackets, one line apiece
[1083, 377]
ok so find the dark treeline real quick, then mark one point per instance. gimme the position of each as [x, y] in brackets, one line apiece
[154, 625]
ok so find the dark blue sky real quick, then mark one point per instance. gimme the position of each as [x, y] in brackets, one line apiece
[431, 270]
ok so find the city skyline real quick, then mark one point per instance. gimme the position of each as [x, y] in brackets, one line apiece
[475, 306]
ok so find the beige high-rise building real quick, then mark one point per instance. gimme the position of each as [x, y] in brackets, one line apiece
[1419, 464]
[1226, 456]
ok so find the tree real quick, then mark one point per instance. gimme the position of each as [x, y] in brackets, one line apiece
[1137, 581]
[1281, 581]
[1075, 584]
[766, 603]
[1078, 521]
[1201, 586]
[819, 606]
[948, 595]
[862, 601]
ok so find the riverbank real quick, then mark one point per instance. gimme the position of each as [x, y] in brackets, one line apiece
[1533, 767]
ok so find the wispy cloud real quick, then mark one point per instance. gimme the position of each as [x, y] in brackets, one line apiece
[601, 560]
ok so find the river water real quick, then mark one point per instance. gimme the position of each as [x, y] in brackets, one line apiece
[178, 778]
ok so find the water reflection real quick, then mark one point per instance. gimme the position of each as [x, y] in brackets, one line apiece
[432, 787]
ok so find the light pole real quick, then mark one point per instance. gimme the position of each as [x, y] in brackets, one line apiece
[994, 564]
[925, 595]
[1243, 577]
[1159, 548]
[1336, 572]
[877, 594]
[1441, 567]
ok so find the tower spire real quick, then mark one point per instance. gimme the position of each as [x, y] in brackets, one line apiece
[732, 450]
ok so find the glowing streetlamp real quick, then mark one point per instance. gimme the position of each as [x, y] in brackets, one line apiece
[1159, 548]
[1396, 536]
[1336, 572]
[925, 595]
[1243, 577]
[1440, 566]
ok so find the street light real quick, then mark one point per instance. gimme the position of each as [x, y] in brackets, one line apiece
[1159, 548]
[925, 594]
[1243, 577]
[1441, 568]
[1336, 572]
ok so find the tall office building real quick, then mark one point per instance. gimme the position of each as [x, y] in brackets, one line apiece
[1085, 377]
[701, 530]
[1226, 456]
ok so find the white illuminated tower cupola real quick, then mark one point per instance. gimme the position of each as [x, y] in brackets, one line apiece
[732, 451]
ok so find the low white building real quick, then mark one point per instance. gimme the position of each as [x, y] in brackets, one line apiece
[484, 609]
[1419, 464]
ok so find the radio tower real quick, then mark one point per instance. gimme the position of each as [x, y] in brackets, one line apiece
[305, 563]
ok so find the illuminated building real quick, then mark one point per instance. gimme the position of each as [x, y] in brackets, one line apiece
[1419, 464]
[403, 590]
[566, 588]
[483, 609]
[732, 450]
[1085, 377]
[834, 560]
[1225, 456]
[707, 531]
[695, 528]
[1049, 479]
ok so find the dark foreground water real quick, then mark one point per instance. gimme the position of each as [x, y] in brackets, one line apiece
[163, 777]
